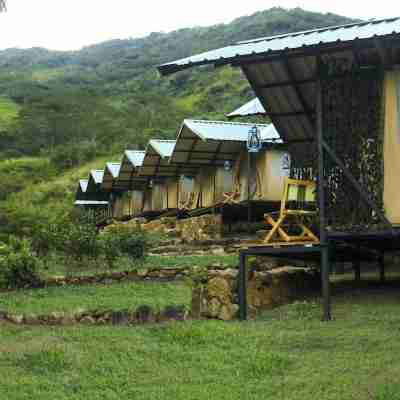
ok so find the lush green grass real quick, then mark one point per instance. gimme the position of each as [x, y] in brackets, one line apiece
[287, 354]
[58, 267]
[190, 261]
[93, 297]
[8, 111]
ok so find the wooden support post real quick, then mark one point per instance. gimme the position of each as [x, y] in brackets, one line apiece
[321, 200]
[382, 276]
[242, 292]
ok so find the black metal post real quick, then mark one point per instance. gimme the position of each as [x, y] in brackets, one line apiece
[242, 283]
[321, 200]
[248, 193]
[357, 270]
[382, 276]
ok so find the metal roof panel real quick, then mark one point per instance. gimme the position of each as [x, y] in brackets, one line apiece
[253, 107]
[290, 41]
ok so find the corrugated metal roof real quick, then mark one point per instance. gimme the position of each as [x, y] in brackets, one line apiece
[229, 131]
[253, 107]
[156, 160]
[290, 41]
[113, 168]
[163, 147]
[136, 157]
[91, 203]
[83, 184]
[219, 142]
[97, 175]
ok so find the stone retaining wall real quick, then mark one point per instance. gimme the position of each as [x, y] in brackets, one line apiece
[141, 315]
[216, 296]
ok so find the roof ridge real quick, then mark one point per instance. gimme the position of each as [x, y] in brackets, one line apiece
[322, 29]
[163, 140]
[227, 122]
[137, 151]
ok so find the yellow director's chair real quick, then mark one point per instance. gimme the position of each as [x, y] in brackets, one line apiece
[301, 193]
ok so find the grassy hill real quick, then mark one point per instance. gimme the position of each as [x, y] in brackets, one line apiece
[61, 111]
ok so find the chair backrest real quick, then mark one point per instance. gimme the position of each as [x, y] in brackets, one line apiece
[300, 192]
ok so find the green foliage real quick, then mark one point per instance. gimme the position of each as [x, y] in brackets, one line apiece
[73, 155]
[44, 362]
[123, 241]
[19, 266]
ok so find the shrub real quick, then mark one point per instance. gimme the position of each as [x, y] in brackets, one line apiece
[19, 266]
[123, 241]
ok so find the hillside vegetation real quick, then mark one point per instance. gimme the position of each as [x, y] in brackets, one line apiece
[64, 110]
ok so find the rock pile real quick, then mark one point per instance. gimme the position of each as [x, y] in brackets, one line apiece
[205, 227]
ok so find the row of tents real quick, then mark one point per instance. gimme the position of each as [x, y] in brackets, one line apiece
[207, 165]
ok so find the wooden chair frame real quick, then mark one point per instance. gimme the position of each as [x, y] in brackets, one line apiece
[306, 236]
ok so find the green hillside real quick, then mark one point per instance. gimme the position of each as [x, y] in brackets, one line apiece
[67, 109]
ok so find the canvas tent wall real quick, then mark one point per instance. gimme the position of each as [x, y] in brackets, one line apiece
[392, 146]
[129, 186]
[214, 148]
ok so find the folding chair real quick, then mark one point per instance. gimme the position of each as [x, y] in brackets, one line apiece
[295, 191]
[185, 205]
[231, 197]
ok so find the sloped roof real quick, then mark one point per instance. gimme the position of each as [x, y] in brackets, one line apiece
[251, 108]
[163, 147]
[127, 178]
[156, 159]
[83, 184]
[82, 189]
[91, 203]
[135, 157]
[290, 41]
[202, 143]
[111, 172]
[97, 176]
[282, 69]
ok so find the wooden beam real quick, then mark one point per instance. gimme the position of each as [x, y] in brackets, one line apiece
[290, 82]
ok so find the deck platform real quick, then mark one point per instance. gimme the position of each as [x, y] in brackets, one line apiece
[343, 247]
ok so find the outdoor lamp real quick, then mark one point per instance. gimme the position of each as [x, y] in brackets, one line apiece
[254, 140]
[151, 183]
[227, 165]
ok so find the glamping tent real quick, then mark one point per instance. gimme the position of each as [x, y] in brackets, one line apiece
[167, 187]
[128, 187]
[90, 197]
[333, 94]
[218, 151]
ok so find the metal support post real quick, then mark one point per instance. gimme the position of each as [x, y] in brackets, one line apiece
[242, 287]
[325, 267]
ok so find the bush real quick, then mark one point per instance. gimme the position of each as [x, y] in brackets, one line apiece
[123, 241]
[19, 266]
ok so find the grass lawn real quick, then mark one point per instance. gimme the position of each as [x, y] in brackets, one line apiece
[54, 268]
[117, 296]
[286, 354]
